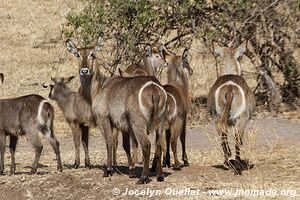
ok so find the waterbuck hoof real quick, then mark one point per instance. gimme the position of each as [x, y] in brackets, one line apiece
[227, 165]
[237, 172]
[143, 181]
[237, 167]
[132, 173]
[176, 167]
[11, 173]
[33, 171]
[186, 163]
[1, 172]
[59, 169]
[108, 173]
[76, 165]
[88, 166]
[160, 179]
[166, 164]
[153, 168]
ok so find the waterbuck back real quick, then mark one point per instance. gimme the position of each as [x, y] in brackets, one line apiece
[27, 115]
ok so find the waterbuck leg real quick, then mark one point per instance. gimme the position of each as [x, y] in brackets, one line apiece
[174, 139]
[76, 137]
[126, 146]
[160, 143]
[2, 150]
[182, 139]
[55, 145]
[115, 147]
[142, 137]
[239, 132]
[222, 131]
[167, 157]
[12, 148]
[154, 163]
[135, 152]
[106, 130]
[32, 135]
[85, 144]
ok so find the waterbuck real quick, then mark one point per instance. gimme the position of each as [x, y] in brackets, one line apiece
[27, 115]
[177, 87]
[230, 101]
[76, 109]
[177, 96]
[133, 105]
[151, 62]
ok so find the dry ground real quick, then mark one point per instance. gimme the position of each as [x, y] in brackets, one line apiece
[32, 50]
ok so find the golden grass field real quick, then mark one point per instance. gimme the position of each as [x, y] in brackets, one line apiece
[32, 50]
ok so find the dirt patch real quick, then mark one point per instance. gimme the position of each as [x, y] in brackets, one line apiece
[271, 148]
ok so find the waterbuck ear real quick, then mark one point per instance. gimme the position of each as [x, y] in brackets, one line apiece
[71, 47]
[185, 62]
[1, 78]
[124, 74]
[185, 54]
[68, 79]
[217, 50]
[241, 50]
[99, 45]
[166, 53]
[148, 50]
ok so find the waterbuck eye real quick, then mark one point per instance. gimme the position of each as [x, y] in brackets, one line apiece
[93, 55]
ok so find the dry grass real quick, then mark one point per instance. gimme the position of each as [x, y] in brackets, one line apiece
[32, 51]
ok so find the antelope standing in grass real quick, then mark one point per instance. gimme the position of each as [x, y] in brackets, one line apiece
[178, 71]
[77, 111]
[27, 115]
[85, 91]
[133, 105]
[230, 101]
[177, 97]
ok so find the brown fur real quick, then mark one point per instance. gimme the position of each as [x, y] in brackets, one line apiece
[19, 117]
[230, 102]
[178, 88]
[178, 72]
[76, 110]
[151, 62]
[116, 104]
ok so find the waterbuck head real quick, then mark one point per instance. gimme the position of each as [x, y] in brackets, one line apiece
[58, 88]
[153, 58]
[229, 59]
[178, 65]
[86, 57]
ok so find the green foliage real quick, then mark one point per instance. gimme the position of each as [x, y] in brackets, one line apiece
[129, 24]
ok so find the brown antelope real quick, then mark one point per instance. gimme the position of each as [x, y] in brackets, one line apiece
[177, 87]
[151, 61]
[28, 115]
[133, 105]
[230, 101]
[85, 91]
[74, 106]
[177, 98]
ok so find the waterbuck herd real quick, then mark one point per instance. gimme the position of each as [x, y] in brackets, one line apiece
[133, 103]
